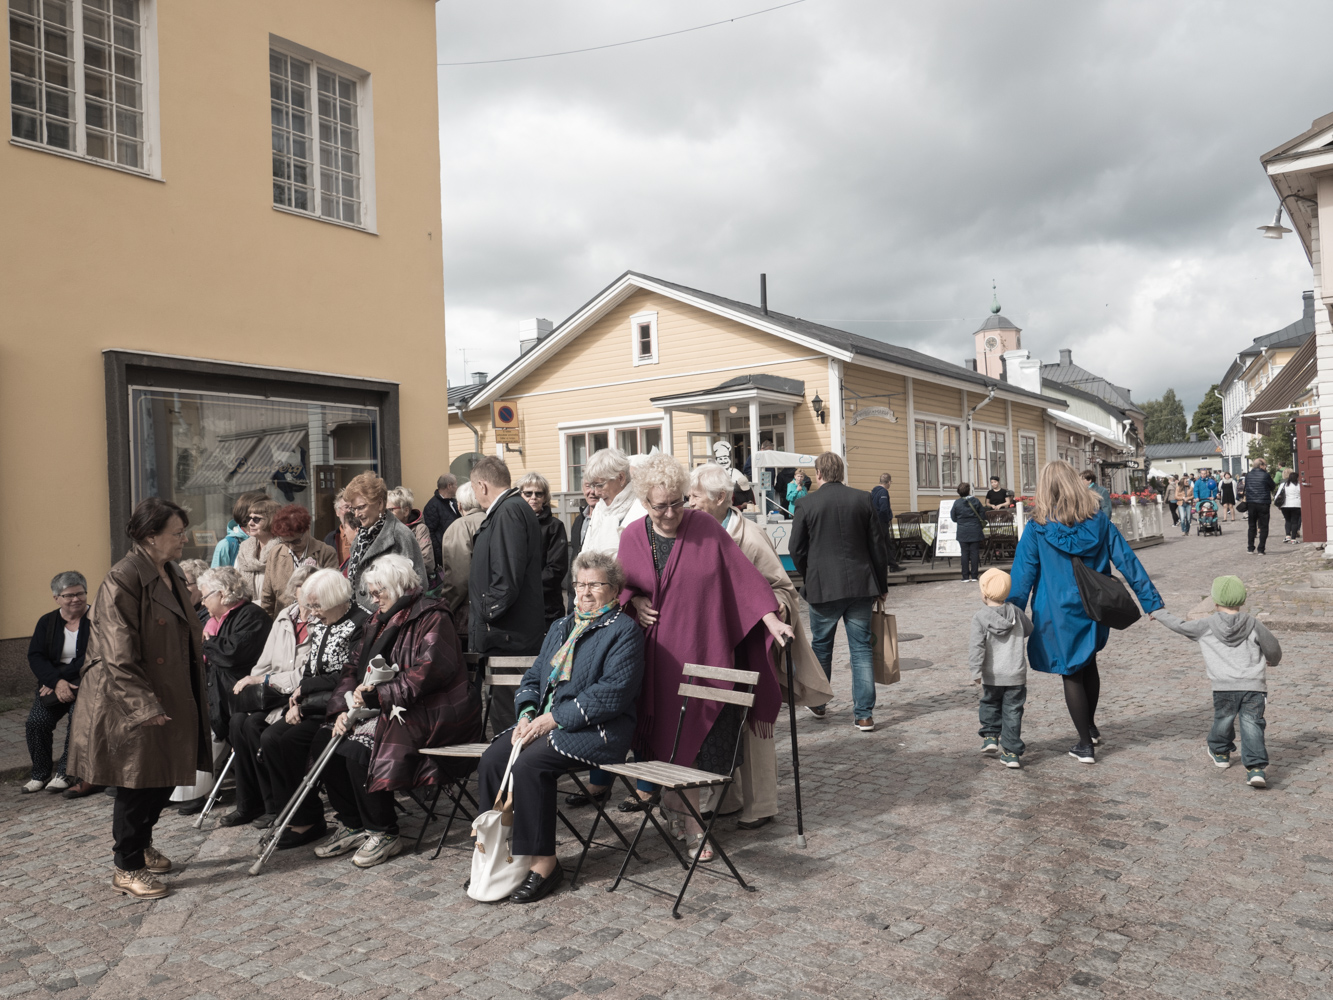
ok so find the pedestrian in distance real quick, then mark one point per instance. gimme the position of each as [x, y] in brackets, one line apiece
[1185, 503]
[1205, 487]
[1236, 649]
[1172, 499]
[142, 723]
[224, 553]
[879, 498]
[578, 531]
[1103, 494]
[536, 492]
[837, 546]
[970, 517]
[1288, 501]
[1066, 524]
[997, 496]
[456, 554]
[1226, 490]
[401, 505]
[999, 664]
[441, 510]
[1257, 486]
[55, 655]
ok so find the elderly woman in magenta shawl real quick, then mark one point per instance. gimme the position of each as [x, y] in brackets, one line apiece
[699, 600]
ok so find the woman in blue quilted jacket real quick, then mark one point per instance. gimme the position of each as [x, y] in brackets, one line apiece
[1067, 523]
[575, 707]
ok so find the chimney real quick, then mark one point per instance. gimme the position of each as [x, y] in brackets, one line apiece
[1307, 299]
[531, 332]
[763, 294]
[1194, 438]
[1066, 357]
[970, 364]
[479, 378]
[1004, 369]
[1022, 370]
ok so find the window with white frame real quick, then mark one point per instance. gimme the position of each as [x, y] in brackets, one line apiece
[320, 137]
[77, 78]
[643, 338]
[989, 457]
[951, 456]
[1027, 463]
[579, 445]
[938, 453]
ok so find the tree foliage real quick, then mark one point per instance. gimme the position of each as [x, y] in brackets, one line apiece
[1275, 447]
[1208, 415]
[1164, 419]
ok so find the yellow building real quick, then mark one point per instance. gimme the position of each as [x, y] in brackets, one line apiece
[221, 269]
[651, 364]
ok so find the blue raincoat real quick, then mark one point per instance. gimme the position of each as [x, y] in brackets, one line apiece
[224, 553]
[1063, 637]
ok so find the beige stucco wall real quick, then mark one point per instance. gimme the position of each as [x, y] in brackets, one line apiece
[200, 264]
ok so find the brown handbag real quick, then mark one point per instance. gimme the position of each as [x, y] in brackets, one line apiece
[884, 628]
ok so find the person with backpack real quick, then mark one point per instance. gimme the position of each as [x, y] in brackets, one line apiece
[970, 517]
[1257, 488]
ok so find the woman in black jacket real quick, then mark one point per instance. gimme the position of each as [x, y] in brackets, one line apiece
[536, 492]
[55, 655]
[970, 517]
[234, 636]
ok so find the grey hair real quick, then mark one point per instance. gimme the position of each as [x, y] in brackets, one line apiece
[603, 561]
[712, 479]
[393, 574]
[401, 496]
[71, 578]
[445, 481]
[536, 479]
[193, 569]
[228, 581]
[607, 464]
[296, 581]
[467, 498]
[326, 589]
[660, 470]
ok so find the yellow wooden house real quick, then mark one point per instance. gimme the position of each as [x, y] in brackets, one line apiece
[648, 364]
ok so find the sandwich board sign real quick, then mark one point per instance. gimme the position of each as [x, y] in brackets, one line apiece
[946, 533]
[504, 421]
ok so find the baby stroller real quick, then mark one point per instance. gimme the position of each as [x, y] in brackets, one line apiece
[1209, 523]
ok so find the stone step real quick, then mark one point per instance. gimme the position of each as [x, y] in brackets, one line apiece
[1322, 579]
[1306, 595]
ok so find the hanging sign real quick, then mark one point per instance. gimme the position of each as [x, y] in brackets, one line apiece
[875, 411]
[504, 420]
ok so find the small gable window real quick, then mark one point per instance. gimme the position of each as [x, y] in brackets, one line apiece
[643, 338]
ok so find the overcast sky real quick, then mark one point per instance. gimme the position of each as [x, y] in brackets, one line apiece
[883, 161]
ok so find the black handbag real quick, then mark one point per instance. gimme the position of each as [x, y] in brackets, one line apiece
[1105, 599]
[1243, 506]
[258, 698]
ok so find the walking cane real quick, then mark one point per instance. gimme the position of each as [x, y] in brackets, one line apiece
[269, 842]
[213, 795]
[795, 756]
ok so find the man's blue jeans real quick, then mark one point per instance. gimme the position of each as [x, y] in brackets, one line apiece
[855, 611]
[1249, 705]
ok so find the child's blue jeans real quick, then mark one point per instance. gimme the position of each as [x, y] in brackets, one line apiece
[1001, 714]
[1249, 706]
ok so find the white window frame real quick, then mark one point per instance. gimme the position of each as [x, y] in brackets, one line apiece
[636, 321]
[152, 167]
[1024, 489]
[983, 474]
[365, 94]
[940, 423]
[612, 427]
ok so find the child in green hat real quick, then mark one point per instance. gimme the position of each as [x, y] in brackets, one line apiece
[1236, 649]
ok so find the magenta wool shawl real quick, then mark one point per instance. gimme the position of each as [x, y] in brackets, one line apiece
[711, 603]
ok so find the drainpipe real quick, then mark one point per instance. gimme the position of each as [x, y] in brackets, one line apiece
[476, 434]
[967, 448]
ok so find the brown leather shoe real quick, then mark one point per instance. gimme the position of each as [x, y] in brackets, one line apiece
[155, 861]
[866, 725]
[81, 789]
[141, 884]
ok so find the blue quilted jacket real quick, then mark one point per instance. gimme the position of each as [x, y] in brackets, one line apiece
[595, 707]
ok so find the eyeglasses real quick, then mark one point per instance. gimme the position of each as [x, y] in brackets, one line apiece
[293, 541]
[662, 508]
[585, 587]
[204, 597]
[595, 485]
[72, 597]
[533, 494]
[253, 518]
[361, 508]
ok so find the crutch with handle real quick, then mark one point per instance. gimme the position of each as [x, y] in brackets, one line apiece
[213, 795]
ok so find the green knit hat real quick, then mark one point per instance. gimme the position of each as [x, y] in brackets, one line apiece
[1228, 592]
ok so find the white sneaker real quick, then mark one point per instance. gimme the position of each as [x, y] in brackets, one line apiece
[57, 784]
[33, 786]
[340, 842]
[378, 848]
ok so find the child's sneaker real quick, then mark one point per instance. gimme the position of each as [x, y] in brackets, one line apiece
[1222, 759]
[989, 744]
[1083, 753]
[1256, 778]
[1009, 759]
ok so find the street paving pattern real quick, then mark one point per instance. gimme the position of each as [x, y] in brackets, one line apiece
[930, 871]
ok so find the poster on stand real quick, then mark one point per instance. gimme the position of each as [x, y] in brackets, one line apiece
[946, 534]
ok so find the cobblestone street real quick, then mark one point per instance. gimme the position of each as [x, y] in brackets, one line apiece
[930, 872]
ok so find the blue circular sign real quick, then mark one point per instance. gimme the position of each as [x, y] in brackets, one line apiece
[506, 414]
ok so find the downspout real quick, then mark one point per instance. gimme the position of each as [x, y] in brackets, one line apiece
[989, 396]
[476, 434]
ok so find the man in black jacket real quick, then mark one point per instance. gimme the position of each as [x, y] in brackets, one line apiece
[1258, 486]
[879, 499]
[577, 532]
[441, 511]
[838, 546]
[505, 580]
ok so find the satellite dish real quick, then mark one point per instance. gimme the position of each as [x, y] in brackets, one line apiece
[462, 465]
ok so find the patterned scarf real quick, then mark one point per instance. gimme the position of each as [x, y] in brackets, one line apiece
[563, 661]
[364, 538]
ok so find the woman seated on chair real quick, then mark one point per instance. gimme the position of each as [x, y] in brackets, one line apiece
[699, 600]
[575, 707]
[430, 703]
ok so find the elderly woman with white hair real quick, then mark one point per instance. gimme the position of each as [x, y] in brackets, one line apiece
[55, 656]
[711, 490]
[234, 636]
[456, 556]
[536, 492]
[429, 703]
[608, 473]
[402, 506]
[335, 624]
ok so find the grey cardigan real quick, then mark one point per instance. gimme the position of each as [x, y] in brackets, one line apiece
[399, 539]
[995, 647]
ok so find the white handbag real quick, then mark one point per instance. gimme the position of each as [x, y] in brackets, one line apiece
[496, 872]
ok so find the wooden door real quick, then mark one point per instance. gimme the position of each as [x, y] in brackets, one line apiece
[1310, 464]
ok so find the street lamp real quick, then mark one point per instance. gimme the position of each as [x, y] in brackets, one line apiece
[1275, 231]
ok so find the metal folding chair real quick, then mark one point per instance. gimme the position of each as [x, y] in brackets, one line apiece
[910, 543]
[454, 788]
[505, 672]
[673, 777]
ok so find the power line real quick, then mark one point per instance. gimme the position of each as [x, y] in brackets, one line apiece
[631, 41]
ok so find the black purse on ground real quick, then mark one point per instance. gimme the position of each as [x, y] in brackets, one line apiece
[1105, 599]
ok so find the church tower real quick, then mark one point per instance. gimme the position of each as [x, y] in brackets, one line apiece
[996, 336]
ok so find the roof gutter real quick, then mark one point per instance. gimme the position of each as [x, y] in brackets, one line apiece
[476, 434]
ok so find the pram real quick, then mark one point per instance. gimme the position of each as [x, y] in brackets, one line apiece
[1209, 523]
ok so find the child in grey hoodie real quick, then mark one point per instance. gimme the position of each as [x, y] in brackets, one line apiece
[999, 664]
[1236, 648]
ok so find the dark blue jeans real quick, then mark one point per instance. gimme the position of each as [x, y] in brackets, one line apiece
[855, 613]
[1001, 714]
[1249, 706]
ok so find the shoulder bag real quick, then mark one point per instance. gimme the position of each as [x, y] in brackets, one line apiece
[496, 872]
[1106, 600]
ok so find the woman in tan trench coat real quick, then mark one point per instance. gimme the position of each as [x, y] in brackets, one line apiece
[142, 724]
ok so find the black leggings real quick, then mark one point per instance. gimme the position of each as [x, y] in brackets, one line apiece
[970, 559]
[1082, 689]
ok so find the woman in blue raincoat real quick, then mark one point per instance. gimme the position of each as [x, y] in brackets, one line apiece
[1066, 522]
